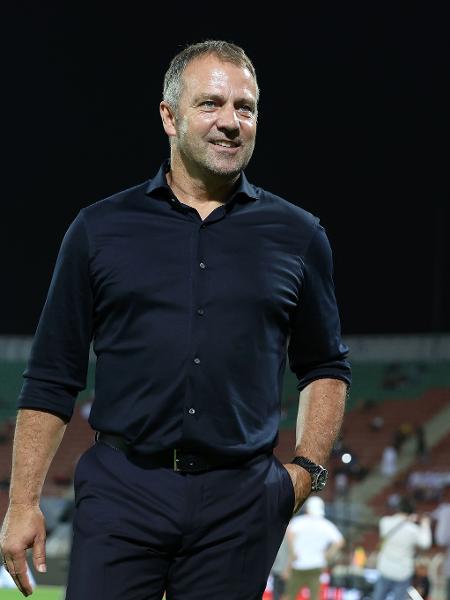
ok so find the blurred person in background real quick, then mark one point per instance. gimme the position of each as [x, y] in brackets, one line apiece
[313, 542]
[442, 537]
[196, 287]
[421, 443]
[389, 460]
[401, 534]
[436, 576]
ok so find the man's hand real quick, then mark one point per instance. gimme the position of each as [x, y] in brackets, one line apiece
[36, 439]
[23, 527]
[301, 480]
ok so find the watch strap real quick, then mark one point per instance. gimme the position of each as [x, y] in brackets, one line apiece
[318, 473]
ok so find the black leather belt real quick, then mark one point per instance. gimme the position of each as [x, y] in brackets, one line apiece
[176, 459]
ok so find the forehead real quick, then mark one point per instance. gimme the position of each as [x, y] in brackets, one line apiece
[210, 74]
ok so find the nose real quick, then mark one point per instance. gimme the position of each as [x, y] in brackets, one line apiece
[227, 119]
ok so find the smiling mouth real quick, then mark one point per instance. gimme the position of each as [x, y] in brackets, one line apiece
[226, 145]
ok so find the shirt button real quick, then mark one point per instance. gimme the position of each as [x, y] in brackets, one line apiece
[192, 411]
[202, 265]
[200, 311]
[197, 361]
[202, 226]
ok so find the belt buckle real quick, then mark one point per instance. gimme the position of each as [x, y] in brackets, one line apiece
[188, 463]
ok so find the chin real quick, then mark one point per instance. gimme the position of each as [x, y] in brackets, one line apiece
[226, 170]
[225, 173]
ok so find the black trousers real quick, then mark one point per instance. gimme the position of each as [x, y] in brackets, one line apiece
[140, 532]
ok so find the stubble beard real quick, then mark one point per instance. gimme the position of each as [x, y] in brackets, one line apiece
[201, 153]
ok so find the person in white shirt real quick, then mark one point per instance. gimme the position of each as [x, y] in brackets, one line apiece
[389, 461]
[313, 540]
[443, 537]
[401, 534]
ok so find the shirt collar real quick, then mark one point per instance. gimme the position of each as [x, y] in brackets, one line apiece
[158, 186]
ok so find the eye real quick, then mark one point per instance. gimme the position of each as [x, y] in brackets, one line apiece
[208, 104]
[246, 109]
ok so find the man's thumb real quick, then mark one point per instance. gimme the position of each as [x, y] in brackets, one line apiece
[39, 555]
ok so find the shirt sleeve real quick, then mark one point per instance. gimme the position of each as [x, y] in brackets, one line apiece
[57, 367]
[315, 347]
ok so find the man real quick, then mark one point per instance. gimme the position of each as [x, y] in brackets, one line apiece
[191, 286]
[401, 534]
[313, 541]
[442, 532]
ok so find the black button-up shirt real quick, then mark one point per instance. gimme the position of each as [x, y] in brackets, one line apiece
[191, 320]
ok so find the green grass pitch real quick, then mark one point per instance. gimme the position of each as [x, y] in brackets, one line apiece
[40, 593]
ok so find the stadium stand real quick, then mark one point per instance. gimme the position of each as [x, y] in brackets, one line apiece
[387, 398]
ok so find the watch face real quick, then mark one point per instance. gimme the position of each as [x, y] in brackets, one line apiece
[320, 480]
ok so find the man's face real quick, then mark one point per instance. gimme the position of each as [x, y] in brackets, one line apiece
[216, 118]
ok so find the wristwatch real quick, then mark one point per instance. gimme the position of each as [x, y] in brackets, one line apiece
[319, 474]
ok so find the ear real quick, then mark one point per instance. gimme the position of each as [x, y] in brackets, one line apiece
[168, 118]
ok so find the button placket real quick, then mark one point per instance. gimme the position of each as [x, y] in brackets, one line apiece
[200, 310]
[198, 300]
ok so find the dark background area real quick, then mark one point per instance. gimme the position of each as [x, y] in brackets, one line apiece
[353, 126]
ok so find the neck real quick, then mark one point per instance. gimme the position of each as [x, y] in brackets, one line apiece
[190, 185]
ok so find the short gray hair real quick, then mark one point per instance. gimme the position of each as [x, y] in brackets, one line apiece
[225, 51]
